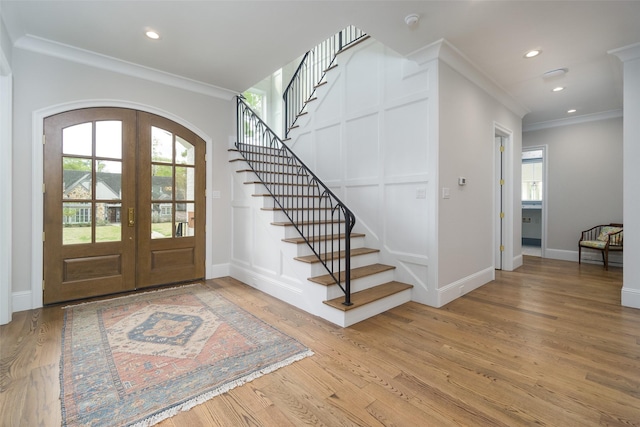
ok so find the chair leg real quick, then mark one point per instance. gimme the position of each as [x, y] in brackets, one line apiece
[579, 254]
[605, 260]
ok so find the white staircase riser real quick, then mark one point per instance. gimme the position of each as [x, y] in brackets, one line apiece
[293, 203]
[289, 231]
[362, 283]
[317, 269]
[293, 187]
[303, 215]
[380, 306]
[302, 249]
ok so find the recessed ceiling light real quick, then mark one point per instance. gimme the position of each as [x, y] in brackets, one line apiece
[152, 34]
[558, 89]
[573, 110]
[532, 53]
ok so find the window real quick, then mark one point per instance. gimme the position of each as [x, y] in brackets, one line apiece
[532, 176]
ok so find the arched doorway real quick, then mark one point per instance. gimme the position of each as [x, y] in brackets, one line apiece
[124, 203]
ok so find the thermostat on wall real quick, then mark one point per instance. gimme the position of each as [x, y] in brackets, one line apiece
[462, 181]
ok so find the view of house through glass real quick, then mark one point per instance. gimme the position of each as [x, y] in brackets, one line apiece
[92, 182]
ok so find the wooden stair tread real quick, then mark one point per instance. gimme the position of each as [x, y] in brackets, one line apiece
[300, 240]
[356, 273]
[269, 172]
[277, 208]
[289, 195]
[370, 295]
[303, 223]
[277, 183]
[312, 259]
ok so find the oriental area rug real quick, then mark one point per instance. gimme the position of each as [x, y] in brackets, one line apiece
[139, 359]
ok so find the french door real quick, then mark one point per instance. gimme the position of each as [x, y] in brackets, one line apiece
[123, 203]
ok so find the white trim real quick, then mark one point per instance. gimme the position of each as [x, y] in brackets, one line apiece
[22, 301]
[612, 114]
[626, 53]
[507, 197]
[6, 114]
[445, 51]
[93, 59]
[454, 290]
[37, 173]
[630, 297]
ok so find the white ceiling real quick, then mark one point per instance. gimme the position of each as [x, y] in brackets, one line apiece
[235, 44]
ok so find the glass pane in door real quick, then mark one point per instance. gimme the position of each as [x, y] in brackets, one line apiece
[76, 223]
[76, 178]
[109, 139]
[161, 145]
[78, 139]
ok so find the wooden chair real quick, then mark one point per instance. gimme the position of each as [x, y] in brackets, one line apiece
[603, 238]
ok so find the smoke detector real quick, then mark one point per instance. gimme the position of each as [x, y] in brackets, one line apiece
[412, 19]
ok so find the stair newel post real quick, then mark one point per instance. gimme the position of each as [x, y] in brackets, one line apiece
[349, 221]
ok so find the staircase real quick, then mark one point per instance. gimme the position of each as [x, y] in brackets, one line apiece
[372, 288]
[342, 280]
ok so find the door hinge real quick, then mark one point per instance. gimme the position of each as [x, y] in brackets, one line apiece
[501, 215]
[502, 148]
[44, 139]
[502, 182]
[501, 248]
[43, 188]
[43, 236]
[43, 285]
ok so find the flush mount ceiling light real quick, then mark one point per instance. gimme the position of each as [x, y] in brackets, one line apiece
[558, 89]
[152, 34]
[532, 53]
[412, 19]
[558, 72]
[573, 110]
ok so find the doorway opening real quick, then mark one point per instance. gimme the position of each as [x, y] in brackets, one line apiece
[533, 193]
[124, 203]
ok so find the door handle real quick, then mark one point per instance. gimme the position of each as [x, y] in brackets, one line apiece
[132, 217]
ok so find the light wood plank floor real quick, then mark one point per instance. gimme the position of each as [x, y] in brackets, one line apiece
[548, 344]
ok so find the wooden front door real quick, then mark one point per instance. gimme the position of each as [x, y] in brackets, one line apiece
[123, 203]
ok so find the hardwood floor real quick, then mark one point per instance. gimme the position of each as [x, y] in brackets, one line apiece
[548, 344]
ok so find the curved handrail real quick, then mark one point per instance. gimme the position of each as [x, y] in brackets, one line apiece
[322, 219]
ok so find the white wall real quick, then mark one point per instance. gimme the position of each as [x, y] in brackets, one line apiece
[43, 82]
[466, 232]
[370, 136]
[630, 56]
[6, 103]
[584, 164]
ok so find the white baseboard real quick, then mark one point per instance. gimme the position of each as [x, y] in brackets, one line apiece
[589, 257]
[630, 297]
[465, 285]
[21, 301]
[219, 270]
[561, 254]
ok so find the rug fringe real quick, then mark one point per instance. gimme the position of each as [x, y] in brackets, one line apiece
[202, 398]
[130, 295]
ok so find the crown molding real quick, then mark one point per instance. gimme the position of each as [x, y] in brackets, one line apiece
[627, 53]
[446, 52]
[572, 120]
[97, 60]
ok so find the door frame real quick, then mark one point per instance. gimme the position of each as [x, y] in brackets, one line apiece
[37, 173]
[508, 255]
